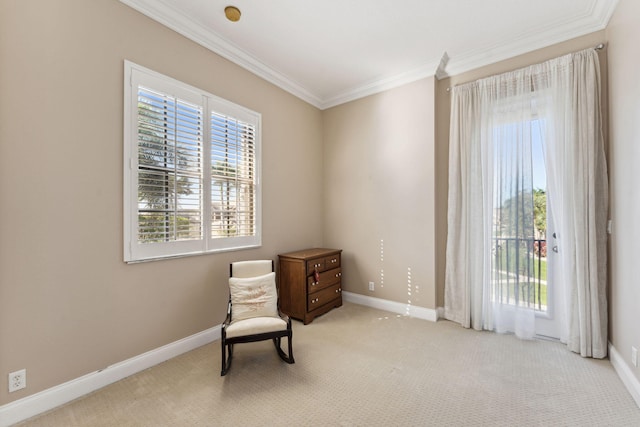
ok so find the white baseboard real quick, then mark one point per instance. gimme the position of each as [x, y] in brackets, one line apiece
[619, 365]
[629, 380]
[35, 404]
[392, 306]
[45, 400]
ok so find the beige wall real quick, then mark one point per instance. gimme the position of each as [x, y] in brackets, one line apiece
[379, 192]
[442, 127]
[623, 34]
[370, 193]
[70, 306]
[68, 303]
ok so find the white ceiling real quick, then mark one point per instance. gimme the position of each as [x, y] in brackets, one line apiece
[328, 52]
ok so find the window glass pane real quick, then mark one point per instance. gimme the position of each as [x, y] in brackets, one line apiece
[169, 168]
[232, 177]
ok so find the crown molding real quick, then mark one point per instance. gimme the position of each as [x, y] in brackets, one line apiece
[174, 19]
[380, 85]
[594, 19]
[178, 22]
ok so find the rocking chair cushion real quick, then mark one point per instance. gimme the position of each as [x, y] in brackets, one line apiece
[255, 325]
[254, 297]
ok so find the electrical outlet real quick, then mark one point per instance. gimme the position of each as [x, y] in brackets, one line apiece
[634, 356]
[372, 286]
[17, 380]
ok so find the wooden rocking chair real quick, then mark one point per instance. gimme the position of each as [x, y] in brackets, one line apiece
[253, 313]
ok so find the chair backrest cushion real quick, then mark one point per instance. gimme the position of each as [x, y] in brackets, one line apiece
[251, 268]
[254, 296]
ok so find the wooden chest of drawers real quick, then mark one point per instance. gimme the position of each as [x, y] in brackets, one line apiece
[310, 282]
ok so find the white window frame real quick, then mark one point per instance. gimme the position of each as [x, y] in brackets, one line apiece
[134, 251]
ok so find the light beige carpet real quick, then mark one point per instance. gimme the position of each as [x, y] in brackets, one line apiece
[356, 366]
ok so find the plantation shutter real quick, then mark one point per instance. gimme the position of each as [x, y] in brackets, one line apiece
[191, 170]
[233, 177]
[170, 137]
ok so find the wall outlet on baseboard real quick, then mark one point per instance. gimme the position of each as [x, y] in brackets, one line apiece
[634, 356]
[17, 380]
[372, 286]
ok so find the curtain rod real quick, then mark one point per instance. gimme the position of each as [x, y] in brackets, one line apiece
[598, 47]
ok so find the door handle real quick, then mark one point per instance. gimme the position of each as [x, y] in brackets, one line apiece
[555, 249]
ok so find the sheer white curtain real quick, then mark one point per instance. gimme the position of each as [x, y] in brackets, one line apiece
[490, 230]
[578, 195]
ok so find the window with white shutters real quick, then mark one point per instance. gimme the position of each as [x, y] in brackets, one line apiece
[191, 170]
[232, 176]
[169, 168]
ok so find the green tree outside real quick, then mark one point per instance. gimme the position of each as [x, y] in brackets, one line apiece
[159, 185]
